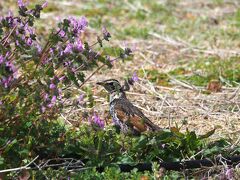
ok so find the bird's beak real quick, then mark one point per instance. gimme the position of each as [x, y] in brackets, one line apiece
[100, 83]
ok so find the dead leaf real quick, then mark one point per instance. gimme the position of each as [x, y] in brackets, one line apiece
[214, 86]
[190, 16]
[25, 175]
[144, 178]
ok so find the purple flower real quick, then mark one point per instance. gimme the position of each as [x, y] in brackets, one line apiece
[45, 4]
[78, 25]
[52, 86]
[95, 119]
[68, 48]
[61, 78]
[43, 109]
[229, 173]
[60, 94]
[46, 60]
[67, 63]
[1, 59]
[50, 105]
[74, 70]
[17, 32]
[39, 48]
[10, 14]
[1, 103]
[29, 29]
[29, 42]
[73, 21]
[62, 33]
[15, 75]
[109, 59]
[53, 100]
[135, 77]
[7, 54]
[83, 22]
[78, 45]
[51, 50]
[6, 81]
[17, 43]
[10, 65]
[45, 97]
[80, 99]
[20, 3]
[106, 34]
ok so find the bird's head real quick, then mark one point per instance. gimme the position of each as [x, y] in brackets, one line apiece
[111, 85]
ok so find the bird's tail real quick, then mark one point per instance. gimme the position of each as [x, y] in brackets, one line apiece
[156, 128]
[153, 126]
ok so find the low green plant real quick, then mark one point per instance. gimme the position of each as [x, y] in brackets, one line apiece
[106, 148]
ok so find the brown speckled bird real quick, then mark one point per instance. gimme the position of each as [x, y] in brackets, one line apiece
[128, 117]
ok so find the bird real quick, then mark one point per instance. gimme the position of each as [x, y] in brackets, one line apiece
[125, 115]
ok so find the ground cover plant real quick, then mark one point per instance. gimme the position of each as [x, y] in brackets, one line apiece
[52, 113]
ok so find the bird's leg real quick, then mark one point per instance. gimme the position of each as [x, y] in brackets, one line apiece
[123, 136]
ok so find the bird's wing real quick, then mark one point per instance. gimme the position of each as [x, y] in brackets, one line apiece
[147, 121]
[132, 116]
[131, 120]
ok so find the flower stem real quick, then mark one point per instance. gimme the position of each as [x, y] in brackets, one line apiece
[100, 67]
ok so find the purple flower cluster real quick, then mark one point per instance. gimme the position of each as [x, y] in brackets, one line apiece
[41, 73]
[72, 28]
[227, 173]
[26, 34]
[54, 93]
[6, 81]
[22, 29]
[78, 25]
[70, 47]
[96, 120]
[9, 71]
[48, 102]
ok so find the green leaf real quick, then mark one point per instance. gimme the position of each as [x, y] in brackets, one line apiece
[29, 124]
[50, 71]
[126, 159]
[81, 76]
[10, 145]
[72, 77]
[176, 132]
[105, 61]
[1, 160]
[208, 134]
